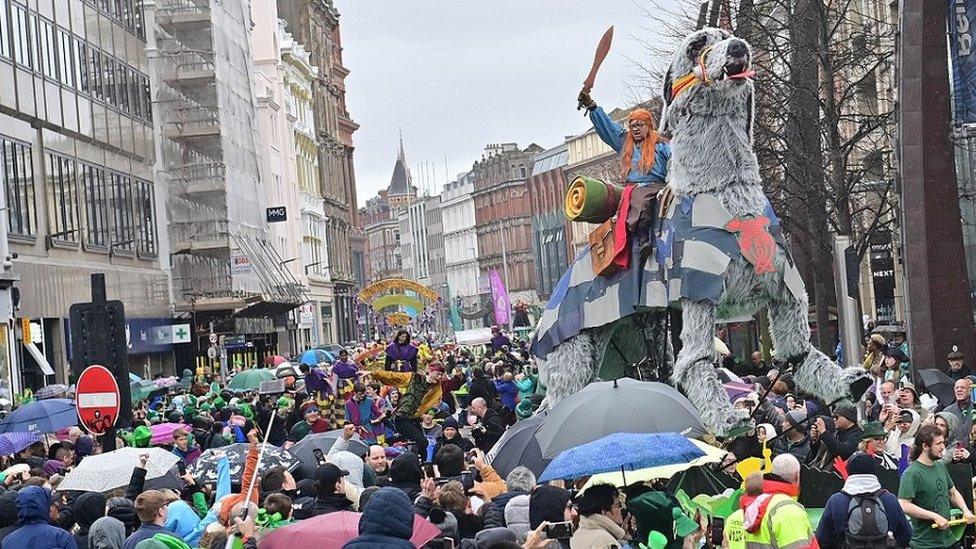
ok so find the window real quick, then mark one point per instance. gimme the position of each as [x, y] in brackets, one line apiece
[47, 49]
[81, 65]
[20, 23]
[96, 205]
[95, 75]
[135, 89]
[18, 180]
[140, 21]
[147, 99]
[62, 198]
[108, 82]
[4, 31]
[67, 65]
[106, 6]
[146, 239]
[122, 88]
[121, 210]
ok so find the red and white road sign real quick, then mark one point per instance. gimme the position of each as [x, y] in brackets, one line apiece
[97, 399]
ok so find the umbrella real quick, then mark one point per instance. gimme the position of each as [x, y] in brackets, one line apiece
[51, 391]
[275, 360]
[621, 452]
[736, 389]
[170, 481]
[727, 375]
[11, 443]
[333, 530]
[608, 407]
[304, 450]
[162, 433]
[712, 455]
[41, 416]
[134, 377]
[142, 389]
[249, 380]
[313, 357]
[518, 446]
[103, 472]
[938, 384]
[204, 468]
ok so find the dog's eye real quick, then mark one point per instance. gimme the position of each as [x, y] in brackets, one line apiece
[696, 47]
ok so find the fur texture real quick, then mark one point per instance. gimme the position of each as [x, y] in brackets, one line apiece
[712, 153]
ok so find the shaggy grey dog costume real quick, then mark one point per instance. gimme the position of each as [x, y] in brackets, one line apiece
[714, 177]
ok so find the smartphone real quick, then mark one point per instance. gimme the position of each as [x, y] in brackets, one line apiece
[181, 467]
[718, 531]
[440, 543]
[319, 456]
[960, 445]
[429, 471]
[442, 481]
[559, 530]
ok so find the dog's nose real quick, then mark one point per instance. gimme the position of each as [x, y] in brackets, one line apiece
[738, 48]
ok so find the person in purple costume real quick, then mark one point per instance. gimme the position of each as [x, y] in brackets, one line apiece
[401, 355]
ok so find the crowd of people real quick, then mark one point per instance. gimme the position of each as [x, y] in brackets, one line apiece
[423, 420]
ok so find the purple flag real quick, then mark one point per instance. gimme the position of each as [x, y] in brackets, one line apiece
[499, 298]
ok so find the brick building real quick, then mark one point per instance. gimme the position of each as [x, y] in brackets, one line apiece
[550, 229]
[503, 214]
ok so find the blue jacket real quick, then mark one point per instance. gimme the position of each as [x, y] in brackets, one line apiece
[614, 134]
[33, 512]
[386, 523]
[833, 522]
[146, 531]
[507, 391]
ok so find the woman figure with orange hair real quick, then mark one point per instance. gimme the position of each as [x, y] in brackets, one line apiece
[643, 155]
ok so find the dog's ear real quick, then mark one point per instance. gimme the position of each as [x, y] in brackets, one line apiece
[666, 95]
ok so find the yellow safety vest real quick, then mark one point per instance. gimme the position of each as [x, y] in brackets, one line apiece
[784, 526]
[735, 530]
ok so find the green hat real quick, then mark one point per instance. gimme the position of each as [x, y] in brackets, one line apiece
[189, 411]
[192, 399]
[873, 429]
[683, 525]
[284, 402]
[655, 540]
[218, 403]
[141, 436]
[245, 410]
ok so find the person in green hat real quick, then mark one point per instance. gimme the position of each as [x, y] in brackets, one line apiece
[141, 437]
[654, 512]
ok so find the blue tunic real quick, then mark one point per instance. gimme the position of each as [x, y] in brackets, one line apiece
[613, 134]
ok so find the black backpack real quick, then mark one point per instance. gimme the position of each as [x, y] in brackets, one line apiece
[867, 522]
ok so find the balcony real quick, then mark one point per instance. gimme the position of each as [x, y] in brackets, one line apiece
[192, 122]
[202, 238]
[204, 180]
[183, 15]
[189, 69]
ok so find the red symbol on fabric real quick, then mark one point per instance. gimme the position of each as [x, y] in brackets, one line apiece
[755, 242]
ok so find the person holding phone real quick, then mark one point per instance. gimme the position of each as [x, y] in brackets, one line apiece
[601, 519]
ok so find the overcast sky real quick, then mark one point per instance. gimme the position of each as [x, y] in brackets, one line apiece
[454, 75]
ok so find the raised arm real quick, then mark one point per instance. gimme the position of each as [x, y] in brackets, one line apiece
[609, 131]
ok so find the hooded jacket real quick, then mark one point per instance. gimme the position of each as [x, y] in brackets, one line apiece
[8, 513]
[387, 522]
[517, 517]
[106, 533]
[897, 438]
[88, 508]
[833, 524]
[405, 474]
[774, 518]
[495, 510]
[33, 512]
[182, 520]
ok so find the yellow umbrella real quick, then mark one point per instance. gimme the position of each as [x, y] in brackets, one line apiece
[617, 478]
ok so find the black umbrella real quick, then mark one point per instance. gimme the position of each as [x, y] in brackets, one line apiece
[170, 481]
[518, 446]
[204, 468]
[304, 450]
[622, 406]
[938, 384]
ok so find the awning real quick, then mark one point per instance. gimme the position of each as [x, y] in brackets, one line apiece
[40, 358]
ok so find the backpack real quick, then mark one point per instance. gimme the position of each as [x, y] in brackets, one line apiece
[867, 522]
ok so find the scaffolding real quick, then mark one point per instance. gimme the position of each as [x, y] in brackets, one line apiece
[220, 253]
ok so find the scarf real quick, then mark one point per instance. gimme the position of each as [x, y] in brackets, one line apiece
[861, 484]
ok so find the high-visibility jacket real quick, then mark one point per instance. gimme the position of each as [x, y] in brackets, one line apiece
[735, 530]
[784, 526]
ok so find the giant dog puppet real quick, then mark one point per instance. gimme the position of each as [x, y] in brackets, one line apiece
[722, 248]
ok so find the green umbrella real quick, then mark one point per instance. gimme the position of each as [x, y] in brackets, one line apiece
[141, 390]
[248, 380]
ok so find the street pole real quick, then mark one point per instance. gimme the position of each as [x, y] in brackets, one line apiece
[848, 319]
[505, 267]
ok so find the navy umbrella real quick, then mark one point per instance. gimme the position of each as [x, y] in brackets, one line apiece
[621, 452]
[518, 446]
[41, 416]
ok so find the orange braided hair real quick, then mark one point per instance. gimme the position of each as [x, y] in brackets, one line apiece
[647, 146]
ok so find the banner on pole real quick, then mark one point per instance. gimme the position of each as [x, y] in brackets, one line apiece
[962, 14]
[499, 298]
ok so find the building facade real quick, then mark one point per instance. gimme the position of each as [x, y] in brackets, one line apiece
[76, 138]
[550, 228]
[503, 216]
[381, 225]
[461, 249]
[315, 23]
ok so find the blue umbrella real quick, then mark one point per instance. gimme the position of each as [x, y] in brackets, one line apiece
[621, 452]
[41, 416]
[313, 357]
[11, 443]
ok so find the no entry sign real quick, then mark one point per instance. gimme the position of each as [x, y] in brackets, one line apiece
[97, 399]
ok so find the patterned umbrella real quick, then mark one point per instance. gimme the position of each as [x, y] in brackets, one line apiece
[11, 443]
[162, 433]
[249, 380]
[111, 470]
[304, 450]
[622, 452]
[51, 391]
[41, 416]
[204, 468]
